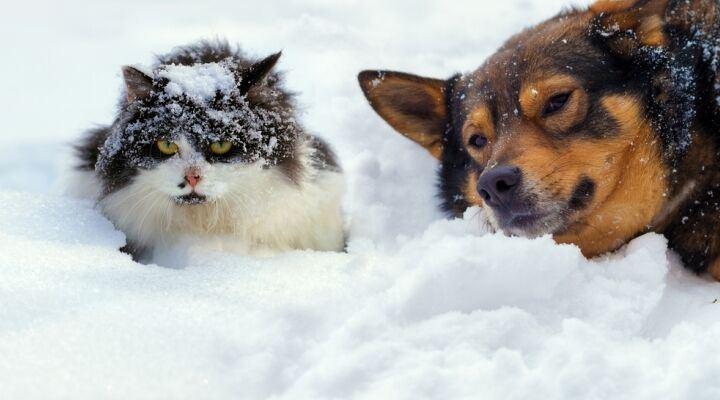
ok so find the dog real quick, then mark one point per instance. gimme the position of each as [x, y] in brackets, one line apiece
[596, 126]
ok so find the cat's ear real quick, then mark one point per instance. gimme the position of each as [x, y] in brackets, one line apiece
[137, 84]
[257, 72]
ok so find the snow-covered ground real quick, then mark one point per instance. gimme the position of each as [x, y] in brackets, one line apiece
[419, 307]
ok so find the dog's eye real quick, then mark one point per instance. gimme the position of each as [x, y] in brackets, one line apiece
[478, 141]
[556, 104]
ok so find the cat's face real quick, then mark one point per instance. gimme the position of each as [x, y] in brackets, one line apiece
[190, 172]
[190, 132]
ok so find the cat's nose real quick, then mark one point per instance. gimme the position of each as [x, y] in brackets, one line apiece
[192, 177]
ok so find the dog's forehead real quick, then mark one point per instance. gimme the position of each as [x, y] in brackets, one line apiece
[560, 46]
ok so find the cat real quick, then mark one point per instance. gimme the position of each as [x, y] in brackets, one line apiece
[206, 143]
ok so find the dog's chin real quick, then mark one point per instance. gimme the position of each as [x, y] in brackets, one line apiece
[528, 225]
[192, 199]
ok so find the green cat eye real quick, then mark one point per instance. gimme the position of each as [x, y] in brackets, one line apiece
[167, 147]
[221, 148]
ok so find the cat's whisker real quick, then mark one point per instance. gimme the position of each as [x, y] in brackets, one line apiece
[149, 210]
[127, 215]
[167, 216]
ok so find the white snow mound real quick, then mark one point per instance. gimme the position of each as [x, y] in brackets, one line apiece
[199, 82]
[449, 314]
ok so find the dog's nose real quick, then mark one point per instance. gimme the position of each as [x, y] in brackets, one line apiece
[498, 185]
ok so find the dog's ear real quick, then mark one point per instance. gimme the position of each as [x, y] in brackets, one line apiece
[138, 85]
[629, 25]
[413, 105]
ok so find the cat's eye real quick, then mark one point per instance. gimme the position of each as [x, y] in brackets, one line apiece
[220, 148]
[555, 104]
[167, 147]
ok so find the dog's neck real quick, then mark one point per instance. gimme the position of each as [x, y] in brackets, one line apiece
[693, 185]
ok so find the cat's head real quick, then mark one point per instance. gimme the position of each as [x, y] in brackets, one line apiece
[189, 129]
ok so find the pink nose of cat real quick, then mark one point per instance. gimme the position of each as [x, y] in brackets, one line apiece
[192, 177]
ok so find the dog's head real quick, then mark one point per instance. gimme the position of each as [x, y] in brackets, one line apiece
[550, 135]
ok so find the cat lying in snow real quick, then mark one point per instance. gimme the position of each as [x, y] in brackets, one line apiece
[206, 144]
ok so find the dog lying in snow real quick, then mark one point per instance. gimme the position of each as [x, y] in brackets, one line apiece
[596, 126]
[206, 143]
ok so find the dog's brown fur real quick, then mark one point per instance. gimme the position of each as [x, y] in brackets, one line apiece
[632, 148]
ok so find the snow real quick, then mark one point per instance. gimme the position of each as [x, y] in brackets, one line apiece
[200, 82]
[446, 314]
[418, 308]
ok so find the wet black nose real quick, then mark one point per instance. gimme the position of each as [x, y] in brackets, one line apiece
[498, 185]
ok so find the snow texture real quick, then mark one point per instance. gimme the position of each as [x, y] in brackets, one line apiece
[199, 82]
[419, 307]
[445, 314]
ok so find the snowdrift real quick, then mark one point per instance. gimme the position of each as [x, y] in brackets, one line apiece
[448, 314]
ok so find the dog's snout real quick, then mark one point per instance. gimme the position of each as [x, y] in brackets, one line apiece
[498, 185]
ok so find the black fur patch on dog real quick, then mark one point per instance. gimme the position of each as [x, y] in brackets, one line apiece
[583, 194]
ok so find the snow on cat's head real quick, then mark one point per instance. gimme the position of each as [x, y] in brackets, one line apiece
[191, 125]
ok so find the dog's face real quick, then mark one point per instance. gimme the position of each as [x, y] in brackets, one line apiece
[550, 135]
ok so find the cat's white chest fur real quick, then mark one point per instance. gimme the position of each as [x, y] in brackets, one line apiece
[250, 209]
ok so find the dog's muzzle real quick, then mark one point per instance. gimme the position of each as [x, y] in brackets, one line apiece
[500, 189]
